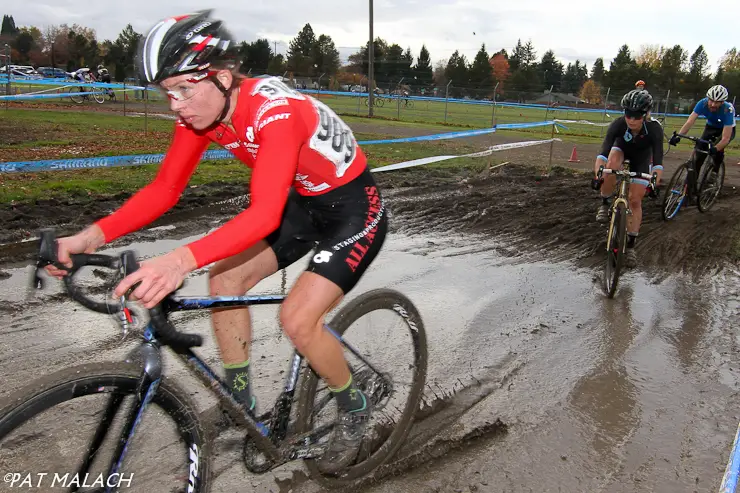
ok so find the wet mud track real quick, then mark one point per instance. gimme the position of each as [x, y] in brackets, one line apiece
[536, 381]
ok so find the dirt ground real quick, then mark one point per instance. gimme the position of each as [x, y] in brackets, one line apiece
[538, 382]
[535, 213]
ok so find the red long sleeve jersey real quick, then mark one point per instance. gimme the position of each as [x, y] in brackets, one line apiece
[287, 138]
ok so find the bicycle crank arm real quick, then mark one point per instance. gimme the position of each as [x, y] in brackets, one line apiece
[306, 452]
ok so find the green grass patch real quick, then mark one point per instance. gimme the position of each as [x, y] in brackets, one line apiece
[45, 134]
[29, 187]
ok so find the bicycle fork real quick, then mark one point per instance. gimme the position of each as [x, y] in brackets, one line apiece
[147, 387]
[619, 200]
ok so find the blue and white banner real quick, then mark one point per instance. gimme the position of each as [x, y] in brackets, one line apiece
[217, 154]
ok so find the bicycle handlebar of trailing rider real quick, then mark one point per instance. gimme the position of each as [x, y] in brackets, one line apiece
[695, 139]
[164, 330]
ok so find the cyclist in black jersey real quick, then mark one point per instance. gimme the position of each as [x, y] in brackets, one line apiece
[639, 138]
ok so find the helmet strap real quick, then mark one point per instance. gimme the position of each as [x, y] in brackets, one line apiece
[227, 95]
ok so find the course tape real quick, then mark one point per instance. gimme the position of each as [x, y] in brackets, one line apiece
[22, 97]
[215, 154]
[729, 480]
[539, 106]
[584, 122]
[461, 134]
[487, 152]
[99, 162]
[68, 82]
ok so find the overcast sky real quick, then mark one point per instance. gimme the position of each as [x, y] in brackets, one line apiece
[573, 29]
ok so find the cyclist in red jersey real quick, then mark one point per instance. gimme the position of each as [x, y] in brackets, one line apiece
[310, 189]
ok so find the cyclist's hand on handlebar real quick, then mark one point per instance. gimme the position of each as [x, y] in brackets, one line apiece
[674, 140]
[713, 150]
[86, 241]
[158, 277]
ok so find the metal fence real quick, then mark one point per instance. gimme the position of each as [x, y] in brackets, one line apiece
[453, 105]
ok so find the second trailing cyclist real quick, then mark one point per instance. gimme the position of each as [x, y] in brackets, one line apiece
[721, 124]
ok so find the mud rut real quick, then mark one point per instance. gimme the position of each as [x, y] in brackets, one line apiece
[531, 217]
[549, 216]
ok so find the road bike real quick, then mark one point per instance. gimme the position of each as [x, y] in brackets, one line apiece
[685, 188]
[129, 391]
[619, 211]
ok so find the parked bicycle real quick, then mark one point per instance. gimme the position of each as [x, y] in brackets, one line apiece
[132, 389]
[616, 240]
[686, 188]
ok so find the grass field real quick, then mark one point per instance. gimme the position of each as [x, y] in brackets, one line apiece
[423, 111]
[27, 134]
[31, 135]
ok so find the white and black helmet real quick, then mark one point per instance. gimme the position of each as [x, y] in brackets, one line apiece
[718, 93]
[184, 44]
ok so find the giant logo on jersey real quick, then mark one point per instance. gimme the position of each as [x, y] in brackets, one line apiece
[267, 106]
[333, 139]
[272, 118]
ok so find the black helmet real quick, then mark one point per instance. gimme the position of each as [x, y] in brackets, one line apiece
[183, 44]
[637, 101]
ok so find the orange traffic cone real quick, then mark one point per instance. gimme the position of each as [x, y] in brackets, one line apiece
[574, 156]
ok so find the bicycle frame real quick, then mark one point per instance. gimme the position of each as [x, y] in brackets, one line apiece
[691, 174]
[266, 439]
[622, 197]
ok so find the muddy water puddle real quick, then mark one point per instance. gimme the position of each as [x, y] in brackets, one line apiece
[632, 394]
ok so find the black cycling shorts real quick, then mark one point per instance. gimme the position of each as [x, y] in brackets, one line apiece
[640, 159]
[346, 227]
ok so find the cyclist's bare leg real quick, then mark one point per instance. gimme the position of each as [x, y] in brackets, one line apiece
[235, 276]
[302, 316]
[637, 193]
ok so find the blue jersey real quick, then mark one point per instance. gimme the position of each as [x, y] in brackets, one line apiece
[723, 117]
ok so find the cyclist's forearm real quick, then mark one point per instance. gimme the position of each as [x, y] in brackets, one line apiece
[94, 236]
[689, 123]
[598, 164]
[725, 140]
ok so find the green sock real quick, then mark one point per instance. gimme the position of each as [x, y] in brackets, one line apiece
[237, 377]
[349, 398]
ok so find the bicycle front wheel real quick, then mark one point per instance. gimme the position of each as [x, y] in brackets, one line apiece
[387, 331]
[616, 244]
[709, 185]
[70, 422]
[675, 194]
[98, 94]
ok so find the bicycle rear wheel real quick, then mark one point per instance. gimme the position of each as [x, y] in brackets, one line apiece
[708, 190]
[675, 194]
[397, 387]
[615, 249]
[53, 424]
[76, 95]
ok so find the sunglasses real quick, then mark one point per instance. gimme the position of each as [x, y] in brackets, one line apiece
[184, 92]
[634, 115]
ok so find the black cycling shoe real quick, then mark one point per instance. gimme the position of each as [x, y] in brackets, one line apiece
[346, 439]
